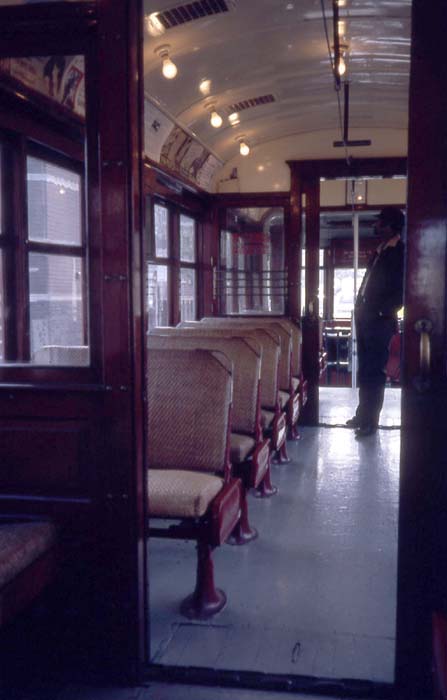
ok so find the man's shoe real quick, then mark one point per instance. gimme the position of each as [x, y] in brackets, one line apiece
[353, 422]
[365, 430]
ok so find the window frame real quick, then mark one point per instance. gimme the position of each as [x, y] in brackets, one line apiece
[173, 260]
[188, 265]
[16, 147]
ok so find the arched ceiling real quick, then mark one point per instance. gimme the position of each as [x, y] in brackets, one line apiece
[279, 48]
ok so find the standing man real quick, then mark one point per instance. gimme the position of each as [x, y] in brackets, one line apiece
[379, 299]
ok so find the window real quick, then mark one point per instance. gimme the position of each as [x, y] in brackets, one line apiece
[161, 231]
[172, 267]
[188, 294]
[56, 279]
[157, 275]
[321, 283]
[344, 290]
[43, 281]
[252, 276]
[158, 308]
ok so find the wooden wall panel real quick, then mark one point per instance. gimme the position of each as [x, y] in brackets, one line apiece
[44, 455]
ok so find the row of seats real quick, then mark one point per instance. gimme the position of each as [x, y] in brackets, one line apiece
[222, 394]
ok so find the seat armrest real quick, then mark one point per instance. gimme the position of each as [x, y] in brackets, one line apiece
[225, 511]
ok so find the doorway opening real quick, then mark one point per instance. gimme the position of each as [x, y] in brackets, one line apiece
[315, 594]
[347, 242]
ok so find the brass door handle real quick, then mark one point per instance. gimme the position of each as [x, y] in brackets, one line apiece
[423, 327]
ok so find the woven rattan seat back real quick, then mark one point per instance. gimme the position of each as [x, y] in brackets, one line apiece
[297, 339]
[285, 336]
[273, 326]
[263, 321]
[271, 349]
[189, 397]
[246, 371]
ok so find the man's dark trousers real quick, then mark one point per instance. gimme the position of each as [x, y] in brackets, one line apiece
[374, 335]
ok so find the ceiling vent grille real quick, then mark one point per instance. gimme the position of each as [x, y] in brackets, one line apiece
[193, 10]
[253, 102]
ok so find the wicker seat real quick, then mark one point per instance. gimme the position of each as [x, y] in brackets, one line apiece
[176, 493]
[289, 335]
[267, 418]
[274, 371]
[241, 446]
[250, 453]
[284, 398]
[190, 479]
[27, 564]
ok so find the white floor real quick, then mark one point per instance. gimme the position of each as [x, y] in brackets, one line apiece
[315, 594]
[338, 404]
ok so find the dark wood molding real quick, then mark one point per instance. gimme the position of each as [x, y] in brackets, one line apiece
[251, 199]
[422, 560]
[46, 28]
[166, 183]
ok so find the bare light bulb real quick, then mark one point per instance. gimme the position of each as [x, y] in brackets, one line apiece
[341, 68]
[233, 118]
[244, 149]
[216, 119]
[169, 69]
[205, 86]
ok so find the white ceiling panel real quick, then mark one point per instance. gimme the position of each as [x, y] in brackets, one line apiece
[277, 47]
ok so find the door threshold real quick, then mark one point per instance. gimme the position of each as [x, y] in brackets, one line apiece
[256, 680]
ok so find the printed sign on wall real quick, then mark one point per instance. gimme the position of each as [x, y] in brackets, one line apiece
[60, 78]
[170, 145]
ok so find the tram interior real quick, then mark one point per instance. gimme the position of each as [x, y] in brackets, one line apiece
[311, 590]
[314, 594]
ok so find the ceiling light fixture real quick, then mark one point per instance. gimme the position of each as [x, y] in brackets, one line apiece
[205, 86]
[234, 119]
[215, 119]
[154, 25]
[341, 67]
[169, 68]
[244, 148]
[340, 61]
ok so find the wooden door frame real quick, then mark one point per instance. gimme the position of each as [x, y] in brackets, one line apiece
[422, 557]
[305, 203]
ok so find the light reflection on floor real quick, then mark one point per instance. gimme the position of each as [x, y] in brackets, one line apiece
[337, 404]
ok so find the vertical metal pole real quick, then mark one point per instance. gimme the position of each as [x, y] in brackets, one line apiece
[355, 225]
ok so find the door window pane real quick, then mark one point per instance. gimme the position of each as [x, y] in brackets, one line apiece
[56, 308]
[344, 290]
[54, 203]
[187, 239]
[187, 294]
[252, 277]
[161, 231]
[158, 309]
